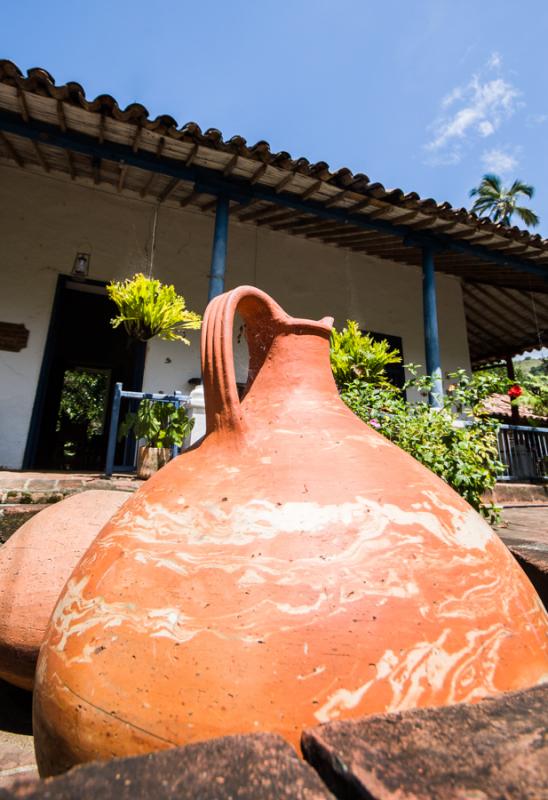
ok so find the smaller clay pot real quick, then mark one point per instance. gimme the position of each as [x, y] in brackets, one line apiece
[35, 564]
[151, 459]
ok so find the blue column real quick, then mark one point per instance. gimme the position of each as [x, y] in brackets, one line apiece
[431, 336]
[218, 254]
[113, 430]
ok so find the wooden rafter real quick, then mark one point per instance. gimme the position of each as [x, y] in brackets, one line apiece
[40, 156]
[295, 224]
[311, 190]
[280, 217]
[380, 212]
[359, 205]
[250, 216]
[62, 120]
[96, 169]
[481, 334]
[403, 219]
[327, 230]
[485, 293]
[520, 301]
[23, 105]
[11, 150]
[168, 189]
[302, 222]
[487, 314]
[422, 224]
[258, 174]
[160, 147]
[102, 123]
[510, 248]
[121, 176]
[146, 187]
[284, 182]
[137, 138]
[231, 165]
[210, 205]
[485, 333]
[467, 234]
[349, 235]
[71, 166]
[190, 198]
[192, 155]
[336, 198]
[380, 252]
[245, 204]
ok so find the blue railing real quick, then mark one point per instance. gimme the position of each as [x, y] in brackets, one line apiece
[177, 398]
[524, 451]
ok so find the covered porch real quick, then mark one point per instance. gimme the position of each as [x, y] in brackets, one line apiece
[54, 131]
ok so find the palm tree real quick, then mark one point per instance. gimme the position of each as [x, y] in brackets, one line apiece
[499, 203]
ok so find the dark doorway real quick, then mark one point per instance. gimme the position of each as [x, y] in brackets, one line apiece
[83, 360]
[394, 372]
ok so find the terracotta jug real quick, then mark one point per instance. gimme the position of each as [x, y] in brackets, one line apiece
[35, 564]
[293, 568]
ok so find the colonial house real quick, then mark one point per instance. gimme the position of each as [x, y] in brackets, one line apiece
[90, 193]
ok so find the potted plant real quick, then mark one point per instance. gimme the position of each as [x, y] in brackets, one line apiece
[161, 425]
[148, 308]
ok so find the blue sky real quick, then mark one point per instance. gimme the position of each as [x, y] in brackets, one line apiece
[426, 95]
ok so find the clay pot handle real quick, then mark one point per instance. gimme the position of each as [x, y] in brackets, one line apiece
[263, 317]
[264, 320]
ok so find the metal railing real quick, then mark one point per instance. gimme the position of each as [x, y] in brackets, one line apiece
[178, 398]
[524, 451]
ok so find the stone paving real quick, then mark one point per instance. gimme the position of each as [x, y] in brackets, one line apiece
[16, 743]
[22, 488]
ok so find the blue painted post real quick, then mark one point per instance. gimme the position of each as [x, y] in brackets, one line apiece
[218, 254]
[113, 430]
[431, 336]
[174, 448]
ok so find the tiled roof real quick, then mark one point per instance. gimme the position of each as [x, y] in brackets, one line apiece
[36, 99]
[39, 82]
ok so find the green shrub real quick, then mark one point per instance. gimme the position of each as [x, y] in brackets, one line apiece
[464, 455]
[160, 424]
[148, 308]
[357, 355]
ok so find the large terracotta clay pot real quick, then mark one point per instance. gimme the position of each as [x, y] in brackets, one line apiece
[35, 564]
[295, 567]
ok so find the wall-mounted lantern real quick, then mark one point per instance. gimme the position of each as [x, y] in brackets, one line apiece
[80, 267]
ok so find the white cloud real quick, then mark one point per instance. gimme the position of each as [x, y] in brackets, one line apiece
[536, 119]
[494, 61]
[476, 109]
[498, 161]
[486, 128]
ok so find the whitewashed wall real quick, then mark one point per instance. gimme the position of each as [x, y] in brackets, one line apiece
[44, 221]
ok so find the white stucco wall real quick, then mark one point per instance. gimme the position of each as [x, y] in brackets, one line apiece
[45, 220]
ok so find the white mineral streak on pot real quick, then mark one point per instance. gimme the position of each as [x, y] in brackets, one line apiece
[425, 666]
[331, 581]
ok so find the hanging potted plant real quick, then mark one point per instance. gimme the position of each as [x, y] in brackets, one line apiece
[148, 308]
[160, 426]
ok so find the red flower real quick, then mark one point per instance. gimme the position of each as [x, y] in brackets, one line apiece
[515, 391]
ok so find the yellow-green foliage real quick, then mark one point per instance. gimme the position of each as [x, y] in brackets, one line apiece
[148, 308]
[357, 355]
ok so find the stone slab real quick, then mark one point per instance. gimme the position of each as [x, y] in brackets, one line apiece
[530, 523]
[254, 767]
[534, 562]
[495, 749]
[17, 759]
[509, 493]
